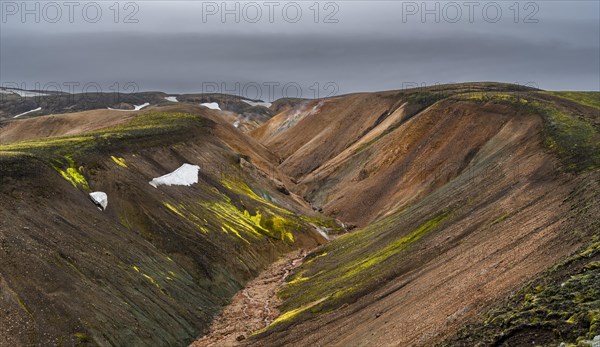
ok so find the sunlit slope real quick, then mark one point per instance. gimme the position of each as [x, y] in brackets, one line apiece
[476, 194]
[360, 157]
[158, 263]
[561, 305]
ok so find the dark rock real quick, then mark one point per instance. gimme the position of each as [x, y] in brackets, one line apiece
[281, 188]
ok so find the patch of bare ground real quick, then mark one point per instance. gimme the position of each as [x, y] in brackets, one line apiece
[252, 308]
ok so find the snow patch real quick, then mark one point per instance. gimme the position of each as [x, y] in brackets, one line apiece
[260, 103]
[323, 233]
[592, 343]
[185, 175]
[236, 124]
[211, 105]
[171, 98]
[135, 108]
[24, 113]
[22, 93]
[139, 107]
[100, 199]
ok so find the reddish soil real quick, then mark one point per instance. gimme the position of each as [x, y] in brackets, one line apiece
[512, 201]
[253, 308]
[157, 265]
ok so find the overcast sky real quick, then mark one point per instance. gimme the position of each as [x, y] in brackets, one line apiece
[273, 47]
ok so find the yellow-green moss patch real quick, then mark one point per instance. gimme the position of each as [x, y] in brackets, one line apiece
[71, 173]
[119, 161]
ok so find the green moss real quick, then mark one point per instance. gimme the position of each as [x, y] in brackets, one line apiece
[569, 308]
[287, 316]
[147, 277]
[119, 161]
[144, 127]
[493, 96]
[426, 99]
[255, 226]
[503, 217]
[242, 214]
[349, 267]
[151, 280]
[395, 247]
[315, 257]
[241, 188]
[71, 173]
[572, 138]
[82, 338]
[324, 222]
[575, 140]
[591, 99]
[190, 216]
[23, 305]
[173, 209]
[266, 220]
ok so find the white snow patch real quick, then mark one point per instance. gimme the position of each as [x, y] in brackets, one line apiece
[24, 113]
[171, 98]
[593, 343]
[135, 107]
[139, 107]
[22, 93]
[211, 105]
[236, 124]
[255, 103]
[185, 175]
[100, 199]
[323, 233]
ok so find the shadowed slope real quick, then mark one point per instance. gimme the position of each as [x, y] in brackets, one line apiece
[158, 263]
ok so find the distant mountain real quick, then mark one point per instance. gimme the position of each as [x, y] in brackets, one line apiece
[22, 103]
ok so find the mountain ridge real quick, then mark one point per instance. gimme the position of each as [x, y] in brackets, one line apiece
[467, 190]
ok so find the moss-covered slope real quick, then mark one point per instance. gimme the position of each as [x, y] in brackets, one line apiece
[520, 196]
[158, 263]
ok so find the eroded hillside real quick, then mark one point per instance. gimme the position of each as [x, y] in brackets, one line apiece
[457, 196]
[466, 193]
[158, 263]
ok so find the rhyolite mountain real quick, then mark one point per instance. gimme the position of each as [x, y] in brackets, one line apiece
[468, 214]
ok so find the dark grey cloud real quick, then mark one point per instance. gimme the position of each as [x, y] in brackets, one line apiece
[364, 54]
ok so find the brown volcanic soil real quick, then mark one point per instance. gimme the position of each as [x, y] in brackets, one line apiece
[158, 265]
[63, 124]
[364, 156]
[514, 211]
[253, 308]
